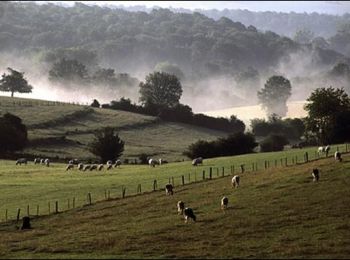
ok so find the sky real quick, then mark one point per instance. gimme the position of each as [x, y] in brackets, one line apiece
[328, 7]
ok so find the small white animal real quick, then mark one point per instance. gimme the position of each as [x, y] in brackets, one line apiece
[235, 181]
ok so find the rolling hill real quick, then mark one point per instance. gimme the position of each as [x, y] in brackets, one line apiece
[64, 130]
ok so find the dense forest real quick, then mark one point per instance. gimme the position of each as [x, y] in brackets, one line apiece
[220, 58]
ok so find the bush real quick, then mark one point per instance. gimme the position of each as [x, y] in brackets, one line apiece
[234, 144]
[273, 143]
[13, 134]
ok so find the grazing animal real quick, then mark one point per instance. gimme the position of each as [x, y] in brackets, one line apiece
[21, 160]
[152, 162]
[37, 161]
[100, 167]
[93, 167]
[188, 213]
[109, 166]
[47, 162]
[197, 161]
[315, 174]
[42, 161]
[235, 181]
[117, 163]
[74, 161]
[69, 166]
[109, 162]
[169, 189]
[80, 166]
[180, 207]
[224, 203]
[337, 156]
[160, 161]
[86, 167]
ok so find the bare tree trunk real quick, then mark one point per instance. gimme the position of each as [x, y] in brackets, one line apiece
[12, 93]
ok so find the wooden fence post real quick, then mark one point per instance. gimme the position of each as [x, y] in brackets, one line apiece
[56, 206]
[210, 172]
[253, 166]
[265, 165]
[203, 175]
[138, 188]
[242, 168]
[223, 171]
[123, 192]
[28, 210]
[6, 215]
[89, 198]
[108, 194]
[189, 178]
[154, 185]
[195, 176]
[73, 202]
[306, 157]
[183, 180]
[18, 213]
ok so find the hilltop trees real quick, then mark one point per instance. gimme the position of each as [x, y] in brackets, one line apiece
[66, 70]
[160, 89]
[273, 97]
[13, 134]
[328, 115]
[107, 145]
[14, 82]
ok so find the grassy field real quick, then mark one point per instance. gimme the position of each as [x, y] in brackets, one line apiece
[65, 130]
[275, 213]
[35, 185]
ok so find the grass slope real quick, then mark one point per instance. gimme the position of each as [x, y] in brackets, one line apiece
[65, 130]
[273, 214]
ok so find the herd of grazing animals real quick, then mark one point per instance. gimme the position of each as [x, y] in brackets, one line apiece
[186, 212]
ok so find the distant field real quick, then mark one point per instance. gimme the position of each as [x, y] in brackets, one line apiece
[76, 124]
[38, 185]
[275, 213]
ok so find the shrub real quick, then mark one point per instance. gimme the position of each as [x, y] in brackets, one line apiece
[273, 142]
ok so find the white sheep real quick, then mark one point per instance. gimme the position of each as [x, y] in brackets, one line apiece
[109, 166]
[315, 174]
[235, 181]
[117, 163]
[69, 166]
[152, 162]
[42, 161]
[47, 162]
[224, 203]
[86, 167]
[169, 189]
[21, 160]
[180, 207]
[188, 213]
[160, 161]
[37, 161]
[93, 167]
[197, 161]
[80, 166]
[100, 167]
[337, 156]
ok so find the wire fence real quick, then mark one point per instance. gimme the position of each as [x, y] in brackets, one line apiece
[199, 174]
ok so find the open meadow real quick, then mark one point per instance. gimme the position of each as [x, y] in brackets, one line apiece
[274, 213]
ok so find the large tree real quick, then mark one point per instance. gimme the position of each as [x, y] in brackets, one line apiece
[14, 82]
[273, 97]
[328, 109]
[67, 70]
[160, 89]
[13, 134]
[107, 145]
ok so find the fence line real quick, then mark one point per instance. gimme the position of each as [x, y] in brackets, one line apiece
[179, 180]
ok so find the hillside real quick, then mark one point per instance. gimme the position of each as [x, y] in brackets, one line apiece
[273, 214]
[65, 130]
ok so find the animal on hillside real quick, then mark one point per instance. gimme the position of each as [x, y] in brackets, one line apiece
[224, 203]
[109, 166]
[169, 189]
[47, 162]
[86, 167]
[117, 163]
[315, 174]
[189, 214]
[197, 161]
[180, 207]
[37, 161]
[324, 149]
[80, 166]
[235, 181]
[93, 167]
[160, 161]
[100, 167]
[152, 162]
[42, 161]
[337, 156]
[73, 161]
[21, 160]
[69, 166]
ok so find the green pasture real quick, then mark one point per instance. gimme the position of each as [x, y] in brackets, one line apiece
[275, 213]
[38, 185]
[77, 124]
